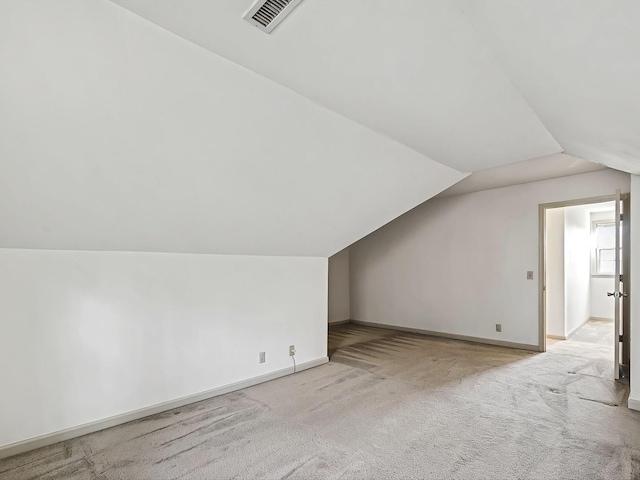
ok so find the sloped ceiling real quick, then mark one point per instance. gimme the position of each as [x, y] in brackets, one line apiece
[577, 63]
[118, 135]
[121, 133]
[413, 70]
[471, 83]
[526, 171]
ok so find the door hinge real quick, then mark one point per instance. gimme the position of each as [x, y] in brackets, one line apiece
[621, 338]
[621, 216]
[621, 278]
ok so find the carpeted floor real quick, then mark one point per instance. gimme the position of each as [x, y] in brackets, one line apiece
[349, 334]
[397, 405]
[599, 332]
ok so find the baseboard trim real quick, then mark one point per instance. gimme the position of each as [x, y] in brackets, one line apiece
[339, 322]
[453, 336]
[601, 319]
[569, 335]
[596, 319]
[73, 432]
[634, 404]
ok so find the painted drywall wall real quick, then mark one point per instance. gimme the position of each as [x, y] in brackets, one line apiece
[634, 395]
[96, 334]
[555, 273]
[118, 135]
[458, 264]
[339, 287]
[577, 266]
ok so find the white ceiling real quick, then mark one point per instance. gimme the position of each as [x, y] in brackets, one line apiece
[121, 135]
[117, 135]
[414, 70]
[601, 207]
[577, 63]
[526, 171]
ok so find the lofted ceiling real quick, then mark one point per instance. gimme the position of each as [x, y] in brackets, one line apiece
[412, 70]
[118, 135]
[470, 83]
[577, 63]
[526, 171]
[176, 126]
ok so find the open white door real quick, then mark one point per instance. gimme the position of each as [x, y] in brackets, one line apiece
[616, 293]
[620, 284]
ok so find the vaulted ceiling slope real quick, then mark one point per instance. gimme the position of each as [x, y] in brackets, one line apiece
[526, 171]
[413, 70]
[577, 62]
[470, 83]
[118, 135]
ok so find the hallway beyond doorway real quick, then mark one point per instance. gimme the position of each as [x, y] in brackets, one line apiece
[598, 332]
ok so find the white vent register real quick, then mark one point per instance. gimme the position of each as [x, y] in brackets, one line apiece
[267, 14]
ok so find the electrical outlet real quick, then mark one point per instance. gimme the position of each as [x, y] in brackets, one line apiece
[530, 275]
[498, 327]
[262, 357]
[292, 350]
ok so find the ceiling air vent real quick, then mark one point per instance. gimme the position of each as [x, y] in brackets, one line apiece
[267, 14]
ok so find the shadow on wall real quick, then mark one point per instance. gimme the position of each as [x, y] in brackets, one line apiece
[339, 308]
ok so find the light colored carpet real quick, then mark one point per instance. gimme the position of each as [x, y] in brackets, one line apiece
[397, 406]
[595, 331]
[349, 334]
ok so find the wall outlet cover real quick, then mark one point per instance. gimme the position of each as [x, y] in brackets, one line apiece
[263, 357]
[498, 327]
[530, 275]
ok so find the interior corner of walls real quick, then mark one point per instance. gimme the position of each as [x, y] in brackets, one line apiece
[390, 265]
[339, 301]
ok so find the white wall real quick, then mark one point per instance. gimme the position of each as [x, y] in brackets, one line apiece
[458, 264]
[634, 395]
[339, 309]
[577, 266]
[555, 273]
[88, 335]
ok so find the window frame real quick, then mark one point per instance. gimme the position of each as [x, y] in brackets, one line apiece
[595, 263]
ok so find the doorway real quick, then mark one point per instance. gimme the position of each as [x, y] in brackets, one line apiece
[584, 254]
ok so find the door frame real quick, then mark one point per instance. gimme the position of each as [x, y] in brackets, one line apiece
[625, 359]
[542, 252]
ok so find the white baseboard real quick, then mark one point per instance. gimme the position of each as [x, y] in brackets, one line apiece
[575, 329]
[453, 336]
[339, 322]
[556, 337]
[634, 404]
[69, 433]
[596, 319]
[601, 319]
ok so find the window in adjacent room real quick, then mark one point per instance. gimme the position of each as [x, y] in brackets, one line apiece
[604, 254]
